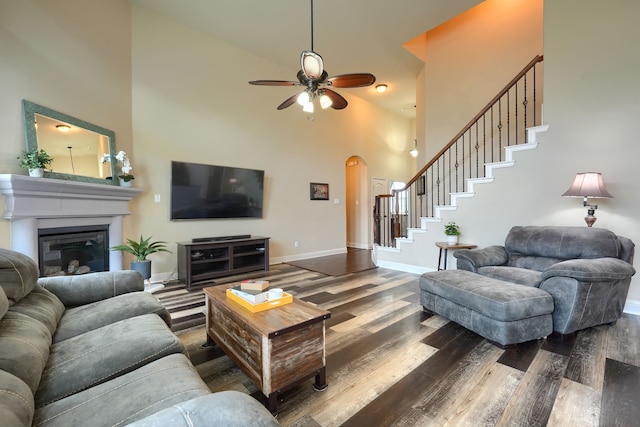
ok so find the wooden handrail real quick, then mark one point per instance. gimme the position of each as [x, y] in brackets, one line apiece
[525, 70]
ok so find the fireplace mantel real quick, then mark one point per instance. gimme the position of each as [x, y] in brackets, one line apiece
[34, 203]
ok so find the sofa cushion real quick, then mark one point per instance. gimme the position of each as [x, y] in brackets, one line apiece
[41, 305]
[493, 298]
[127, 398]
[83, 289]
[24, 347]
[18, 274]
[521, 276]
[103, 354]
[85, 318]
[225, 408]
[562, 242]
[593, 270]
[16, 401]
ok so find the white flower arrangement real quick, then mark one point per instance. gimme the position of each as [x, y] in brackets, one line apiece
[126, 164]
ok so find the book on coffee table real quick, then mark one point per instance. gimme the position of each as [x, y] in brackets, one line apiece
[254, 297]
[254, 285]
[232, 294]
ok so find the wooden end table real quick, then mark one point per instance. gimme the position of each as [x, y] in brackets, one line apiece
[446, 246]
[275, 348]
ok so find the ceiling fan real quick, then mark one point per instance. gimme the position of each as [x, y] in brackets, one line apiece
[316, 82]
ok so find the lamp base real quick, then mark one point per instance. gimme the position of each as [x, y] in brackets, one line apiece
[590, 218]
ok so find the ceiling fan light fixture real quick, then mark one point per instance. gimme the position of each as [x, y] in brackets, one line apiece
[308, 107]
[303, 98]
[381, 88]
[325, 101]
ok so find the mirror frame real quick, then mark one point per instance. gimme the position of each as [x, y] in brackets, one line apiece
[30, 109]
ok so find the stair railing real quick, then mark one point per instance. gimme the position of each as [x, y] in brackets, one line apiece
[501, 123]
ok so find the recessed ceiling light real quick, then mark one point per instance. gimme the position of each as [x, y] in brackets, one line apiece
[381, 88]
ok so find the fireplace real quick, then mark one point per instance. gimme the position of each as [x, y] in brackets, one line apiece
[66, 251]
[34, 204]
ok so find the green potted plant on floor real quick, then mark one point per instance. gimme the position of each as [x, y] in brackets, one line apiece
[452, 231]
[35, 161]
[141, 249]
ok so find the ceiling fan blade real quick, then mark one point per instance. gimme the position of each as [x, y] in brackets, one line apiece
[273, 83]
[352, 80]
[288, 102]
[312, 64]
[337, 101]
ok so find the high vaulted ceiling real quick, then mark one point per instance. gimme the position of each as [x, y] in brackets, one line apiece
[352, 36]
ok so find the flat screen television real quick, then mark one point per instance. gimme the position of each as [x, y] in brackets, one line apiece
[200, 191]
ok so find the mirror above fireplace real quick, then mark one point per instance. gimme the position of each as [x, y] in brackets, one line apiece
[75, 145]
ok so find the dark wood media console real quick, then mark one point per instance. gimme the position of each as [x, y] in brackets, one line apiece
[200, 261]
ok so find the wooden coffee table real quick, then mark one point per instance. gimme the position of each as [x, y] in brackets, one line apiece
[275, 348]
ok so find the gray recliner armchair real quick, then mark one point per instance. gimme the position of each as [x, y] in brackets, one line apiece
[587, 271]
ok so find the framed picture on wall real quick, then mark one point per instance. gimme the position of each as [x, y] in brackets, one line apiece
[319, 191]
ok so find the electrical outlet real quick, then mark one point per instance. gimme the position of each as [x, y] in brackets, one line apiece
[156, 198]
[295, 244]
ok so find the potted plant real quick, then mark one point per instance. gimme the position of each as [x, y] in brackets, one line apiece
[36, 161]
[452, 231]
[125, 177]
[141, 250]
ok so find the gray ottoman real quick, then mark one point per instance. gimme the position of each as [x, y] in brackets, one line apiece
[504, 313]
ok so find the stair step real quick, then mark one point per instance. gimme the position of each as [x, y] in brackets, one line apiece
[515, 148]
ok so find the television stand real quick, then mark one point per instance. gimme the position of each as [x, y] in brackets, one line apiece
[206, 260]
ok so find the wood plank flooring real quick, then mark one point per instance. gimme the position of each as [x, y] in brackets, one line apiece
[391, 364]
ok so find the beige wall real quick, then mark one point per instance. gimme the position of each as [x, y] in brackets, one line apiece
[468, 60]
[192, 102]
[72, 56]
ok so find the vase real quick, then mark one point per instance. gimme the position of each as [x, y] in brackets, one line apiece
[142, 267]
[452, 240]
[37, 172]
[127, 184]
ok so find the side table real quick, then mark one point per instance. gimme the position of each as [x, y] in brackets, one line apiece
[446, 246]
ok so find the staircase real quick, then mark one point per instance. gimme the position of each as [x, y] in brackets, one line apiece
[508, 124]
[412, 247]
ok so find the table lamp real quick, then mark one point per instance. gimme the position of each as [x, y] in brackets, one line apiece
[585, 185]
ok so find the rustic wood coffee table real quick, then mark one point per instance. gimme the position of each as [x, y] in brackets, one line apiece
[275, 348]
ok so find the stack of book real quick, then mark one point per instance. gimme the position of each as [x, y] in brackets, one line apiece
[253, 294]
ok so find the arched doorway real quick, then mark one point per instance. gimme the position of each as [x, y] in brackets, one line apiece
[357, 204]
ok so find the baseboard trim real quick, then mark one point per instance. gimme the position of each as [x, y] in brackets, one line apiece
[307, 255]
[632, 307]
[407, 268]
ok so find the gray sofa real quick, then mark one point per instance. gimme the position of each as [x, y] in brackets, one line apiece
[502, 292]
[97, 350]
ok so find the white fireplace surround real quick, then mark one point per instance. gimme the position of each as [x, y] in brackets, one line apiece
[38, 203]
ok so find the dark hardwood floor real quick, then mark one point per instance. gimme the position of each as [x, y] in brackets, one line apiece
[391, 364]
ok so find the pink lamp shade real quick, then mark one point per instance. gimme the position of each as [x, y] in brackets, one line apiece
[588, 184]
